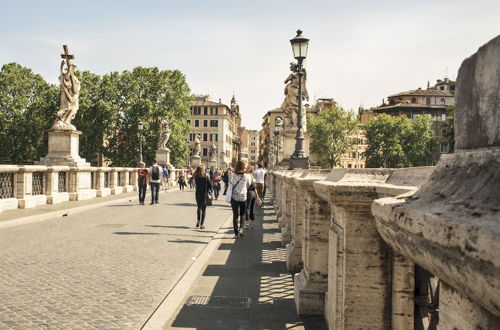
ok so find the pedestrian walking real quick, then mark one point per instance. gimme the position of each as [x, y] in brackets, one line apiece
[182, 181]
[216, 185]
[142, 182]
[240, 182]
[165, 175]
[154, 181]
[203, 188]
[190, 179]
[260, 174]
[225, 179]
[251, 196]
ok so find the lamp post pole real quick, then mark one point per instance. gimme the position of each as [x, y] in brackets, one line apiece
[140, 126]
[299, 159]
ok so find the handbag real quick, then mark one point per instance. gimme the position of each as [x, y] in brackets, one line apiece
[229, 193]
[258, 202]
[208, 199]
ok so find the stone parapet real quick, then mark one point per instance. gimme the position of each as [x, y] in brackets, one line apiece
[360, 264]
[26, 186]
[451, 226]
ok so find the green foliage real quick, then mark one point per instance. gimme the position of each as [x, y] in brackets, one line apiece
[449, 134]
[27, 107]
[330, 135]
[397, 141]
[110, 108]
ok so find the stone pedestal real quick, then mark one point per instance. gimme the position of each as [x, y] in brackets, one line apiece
[63, 149]
[450, 227]
[289, 143]
[310, 284]
[163, 158]
[195, 161]
[360, 263]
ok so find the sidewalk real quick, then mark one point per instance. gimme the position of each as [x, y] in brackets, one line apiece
[16, 217]
[249, 278]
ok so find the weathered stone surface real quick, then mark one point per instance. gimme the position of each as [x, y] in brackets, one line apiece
[477, 115]
[451, 225]
[360, 264]
[63, 148]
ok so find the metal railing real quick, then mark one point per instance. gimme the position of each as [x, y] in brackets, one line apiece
[61, 182]
[38, 184]
[6, 185]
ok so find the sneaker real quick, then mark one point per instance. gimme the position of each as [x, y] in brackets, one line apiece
[151, 203]
[197, 225]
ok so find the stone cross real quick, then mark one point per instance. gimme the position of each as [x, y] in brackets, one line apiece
[67, 56]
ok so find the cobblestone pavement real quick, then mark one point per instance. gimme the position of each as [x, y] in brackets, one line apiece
[108, 268]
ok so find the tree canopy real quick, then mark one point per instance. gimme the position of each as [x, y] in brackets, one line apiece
[110, 108]
[397, 141]
[331, 135]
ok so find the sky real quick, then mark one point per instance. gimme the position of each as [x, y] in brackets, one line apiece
[359, 51]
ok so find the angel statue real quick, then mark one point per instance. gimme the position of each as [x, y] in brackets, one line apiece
[290, 104]
[197, 146]
[70, 90]
[165, 133]
[213, 153]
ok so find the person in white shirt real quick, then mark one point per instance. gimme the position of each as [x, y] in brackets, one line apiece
[240, 182]
[155, 174]
[260, 175]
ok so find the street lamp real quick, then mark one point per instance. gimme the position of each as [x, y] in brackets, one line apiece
[140, 127]
[278, 125]
[299, 159]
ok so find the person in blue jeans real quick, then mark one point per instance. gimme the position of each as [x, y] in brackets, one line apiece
[155, 173]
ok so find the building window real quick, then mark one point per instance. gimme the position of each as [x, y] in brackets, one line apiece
[413, 100]
[189, 121]
[205, 110]
[414, 115]
[428, 101]
[443, 101]
[196, 123]
[443, 117]
[213, 111]
[216, 137]
[441, 88]
[205, 137]
[205, 123]
[214, 123]
[196, 110]
[205, 152]
[445, 148]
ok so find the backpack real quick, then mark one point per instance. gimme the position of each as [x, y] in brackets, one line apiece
[155, 175]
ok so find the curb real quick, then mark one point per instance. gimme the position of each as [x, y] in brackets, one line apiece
[174, 300]
[64, 212]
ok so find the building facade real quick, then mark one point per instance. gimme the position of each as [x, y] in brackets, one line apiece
[253, 148]
[432, 101]
[216, 123]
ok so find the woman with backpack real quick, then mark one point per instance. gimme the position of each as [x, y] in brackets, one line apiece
[203, 187]
[239, 182]
[181, 180]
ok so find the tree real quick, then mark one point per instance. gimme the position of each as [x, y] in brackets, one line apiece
[27, 108]
[397, 141]
[331, 132]
[449, 127]
[148, 95]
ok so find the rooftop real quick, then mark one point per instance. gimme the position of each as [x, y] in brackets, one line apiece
[423, 92]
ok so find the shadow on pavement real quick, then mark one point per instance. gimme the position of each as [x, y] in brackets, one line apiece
[255, 268]
[187, 241]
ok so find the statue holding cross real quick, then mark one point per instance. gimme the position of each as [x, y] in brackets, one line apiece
[70, 90]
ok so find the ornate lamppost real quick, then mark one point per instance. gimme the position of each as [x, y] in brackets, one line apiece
[278, 126]
[299, 159]
[140, 127]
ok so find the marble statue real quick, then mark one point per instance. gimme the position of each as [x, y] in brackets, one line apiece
[213, 153]
[197, 146]
[165, 134]
[70, 91]
[290, 104]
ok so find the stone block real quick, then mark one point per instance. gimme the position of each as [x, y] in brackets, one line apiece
[8, 204]
[58, 197]
[82, 195]
[63, 149]
[32, 201]
[103, 192]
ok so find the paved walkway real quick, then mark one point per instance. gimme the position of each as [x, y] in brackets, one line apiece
[104, 268]
[251, 275]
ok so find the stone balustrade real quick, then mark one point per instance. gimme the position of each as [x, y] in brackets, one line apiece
[404, 248]
[26, 186]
